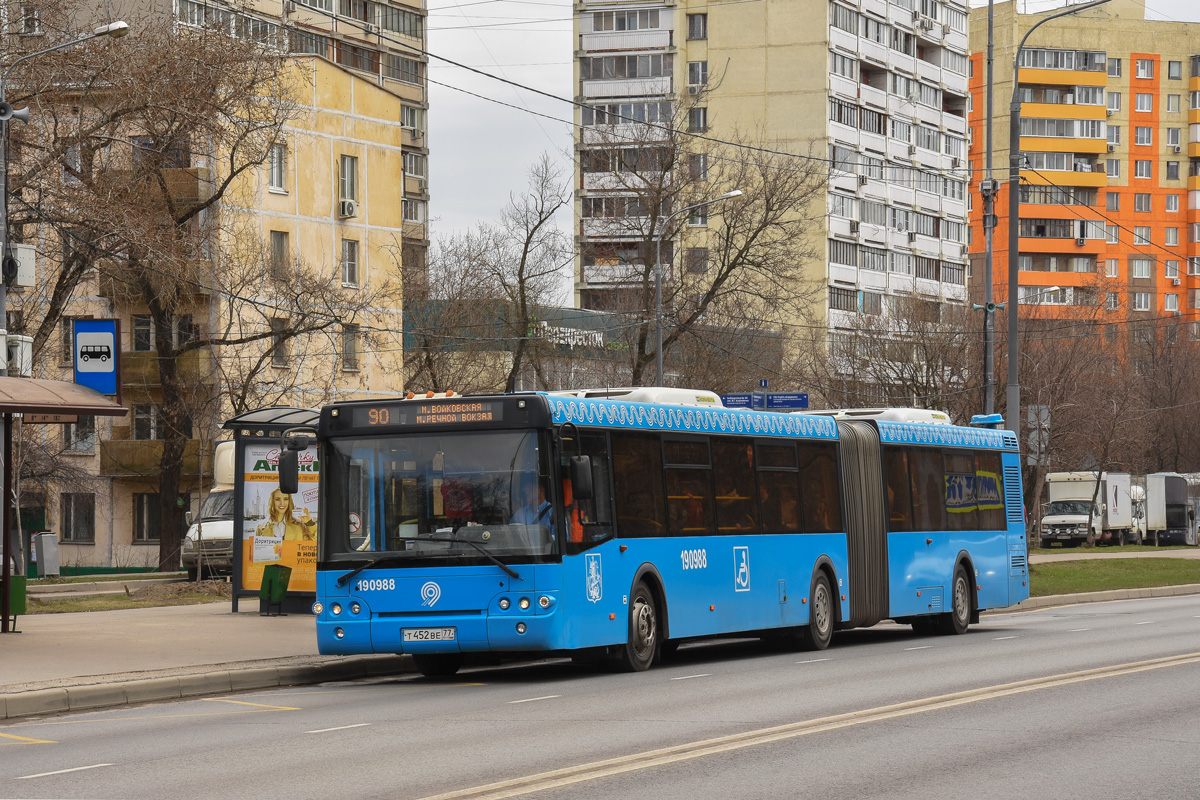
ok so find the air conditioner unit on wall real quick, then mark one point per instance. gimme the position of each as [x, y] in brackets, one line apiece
[1175, 281]
[1109, 112]
[370, 27]
[854, 226]
[1112, 148]
[862, 180]
[1177, 148]
[422, 185]
[945, 29]
[912, 236]
[912, 149]
[1081, 241]
[347, 208]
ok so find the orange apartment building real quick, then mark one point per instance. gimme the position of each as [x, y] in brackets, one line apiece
[1110, 132]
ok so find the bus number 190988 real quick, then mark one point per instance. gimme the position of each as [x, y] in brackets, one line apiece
[694, 559]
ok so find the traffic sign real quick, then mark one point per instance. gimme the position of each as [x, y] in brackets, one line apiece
[96, 354]
[770, 401]
[787, 400]
[736, 400]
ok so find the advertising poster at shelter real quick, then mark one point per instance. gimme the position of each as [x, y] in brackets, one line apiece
[279, 528]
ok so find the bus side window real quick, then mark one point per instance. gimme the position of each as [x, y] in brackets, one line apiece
[899, 491]
[590, 521]
[960, 491]
[689, 487]
[989, 491]
[779, 487]
[820, 487]
[638, 485]
[733, 472]
[928, 490]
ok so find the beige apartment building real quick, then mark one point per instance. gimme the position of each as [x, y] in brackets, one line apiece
[876, 88]
[1110, 136]
[344, 191]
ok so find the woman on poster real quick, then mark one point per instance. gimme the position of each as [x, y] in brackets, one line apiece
[281, 521]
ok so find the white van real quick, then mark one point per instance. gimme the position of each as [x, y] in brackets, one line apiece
[208, 546]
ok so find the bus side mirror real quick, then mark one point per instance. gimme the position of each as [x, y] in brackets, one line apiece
[289, 462]
[581, 477]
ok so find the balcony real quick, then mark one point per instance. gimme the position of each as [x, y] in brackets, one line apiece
[628, 87]
[188, 187]
[625, 40]
[140, 368]
[131, 458]
[116, 287]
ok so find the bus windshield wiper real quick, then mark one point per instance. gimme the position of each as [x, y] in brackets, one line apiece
[512, 572]
[381, 560]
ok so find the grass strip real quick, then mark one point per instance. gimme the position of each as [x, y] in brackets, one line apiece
[1100, 575]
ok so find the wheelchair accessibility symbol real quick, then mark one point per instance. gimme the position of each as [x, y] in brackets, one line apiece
[741, 566]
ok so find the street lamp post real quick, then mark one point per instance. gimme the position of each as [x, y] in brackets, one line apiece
[658, 305]
[1013, 399]
[8, 272]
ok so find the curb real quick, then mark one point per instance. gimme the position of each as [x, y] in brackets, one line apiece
[107, 695]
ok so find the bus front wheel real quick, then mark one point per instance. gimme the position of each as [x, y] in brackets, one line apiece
[438, 665]
[956, 621]
[639, 652]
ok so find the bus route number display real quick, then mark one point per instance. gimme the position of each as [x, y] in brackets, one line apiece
[429, 414]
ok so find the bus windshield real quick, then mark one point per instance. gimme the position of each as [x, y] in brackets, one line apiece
[449, 497]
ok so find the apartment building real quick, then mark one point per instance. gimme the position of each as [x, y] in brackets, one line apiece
[877, 88]
[344, 191]
[1110, 143]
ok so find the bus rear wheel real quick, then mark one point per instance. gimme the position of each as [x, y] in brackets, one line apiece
[637, 654]
[959, 617]
[818, 633]
[438, 665]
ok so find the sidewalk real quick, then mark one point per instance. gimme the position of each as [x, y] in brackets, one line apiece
[99, 659]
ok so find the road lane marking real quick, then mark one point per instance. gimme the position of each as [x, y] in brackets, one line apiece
[244, 703]
[1148, 622]
[534, 699]
[342, 728]
[922, 647]
[689, 677]
[23, 739]
[1002, 638]
[60, 772]
[596, 770]
[1078, 630]
[813, 661]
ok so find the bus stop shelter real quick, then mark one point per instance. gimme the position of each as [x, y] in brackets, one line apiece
[55, 401]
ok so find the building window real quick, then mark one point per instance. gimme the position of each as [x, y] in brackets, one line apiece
[147, 517]
[279, 345]
[186, 330]
[1141, 235]
[1141, 301]
[350, 337]
[280, 255]
[1173, 104]
[697, 73]
[277, 168]
[68, 338]
[697, 26]
[349, 262]
[697, 120]
[1113, 101]
[1112, 201]
[1111, 267]
[412, 118]
[1172, 170]
[1145, 68]
[1141, 201]
[1111, 302]
[1172, 203]
[77, 522]
[1175, 70]
[1112, 167]
[1143, 101]
[1114, 134]
[843, 299]
[696, 260]
[697, 166]
[1141, 169]
[412, 210]
[348, 178]
[1114, 68]
[698, 217]
[415, 165]
[1143, 135]
[147, 422]
[80, 437]
[143, 333]
[1173, 136]
[1172, 268]
[1171, 302]
[1112, 234]
[1171, 238]
[1139, 267]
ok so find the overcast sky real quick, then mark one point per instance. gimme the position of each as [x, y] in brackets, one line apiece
[482, 146]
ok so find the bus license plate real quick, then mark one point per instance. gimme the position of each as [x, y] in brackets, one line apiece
[427, 634]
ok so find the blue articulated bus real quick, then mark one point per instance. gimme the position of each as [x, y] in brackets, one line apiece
[616, 524]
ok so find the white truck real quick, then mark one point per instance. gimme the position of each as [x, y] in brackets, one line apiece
[1170, 514]
[1071, 493]
[208, 546]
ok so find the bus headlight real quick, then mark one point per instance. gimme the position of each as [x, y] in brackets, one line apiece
[336, 608]
[504, 604]
[318, 607]
[520, 627]
[544, 601]
[339, 633]
[355, 607]
[523, 603]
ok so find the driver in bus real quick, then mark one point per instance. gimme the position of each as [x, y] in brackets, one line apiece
[536, 509]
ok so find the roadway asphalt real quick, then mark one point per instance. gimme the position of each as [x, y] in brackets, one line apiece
[98, 659]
